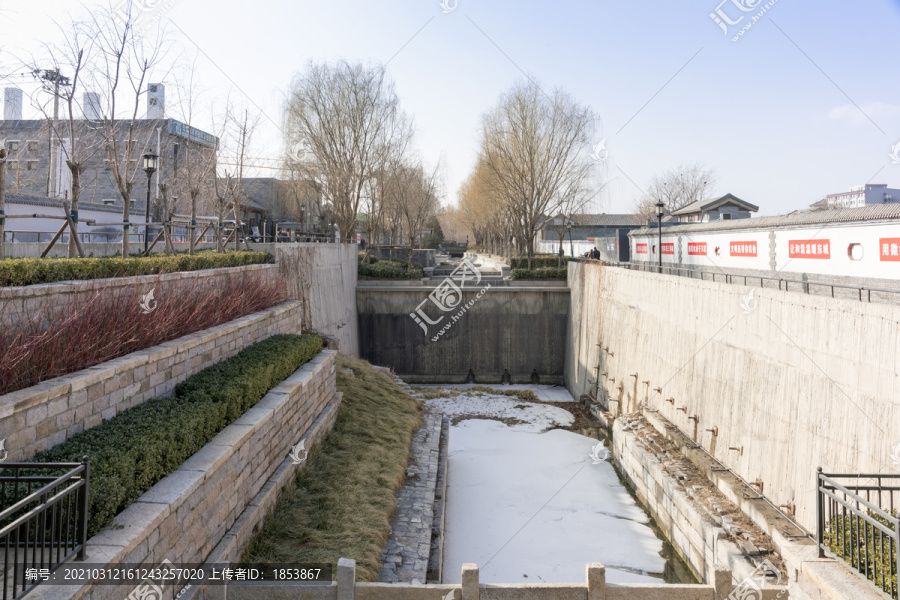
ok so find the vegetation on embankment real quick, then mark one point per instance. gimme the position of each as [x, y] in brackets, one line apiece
[132, 451]
[340, 505]
[30, 271]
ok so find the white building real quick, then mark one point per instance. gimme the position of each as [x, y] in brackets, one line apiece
[860, 195]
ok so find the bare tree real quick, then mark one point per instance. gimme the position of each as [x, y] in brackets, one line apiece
[676, 188]
[126, 60]
[73, 140]
[536, 148]
[415, 193]
[198, 164]
[348, 118]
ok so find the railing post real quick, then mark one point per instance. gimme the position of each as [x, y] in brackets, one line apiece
[471, 585]
[85, 502]
[820, 514]
[596, 581]
[346, 579]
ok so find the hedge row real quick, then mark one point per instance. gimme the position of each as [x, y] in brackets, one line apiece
[390, 269]
[29, 271]
[537, 262]
[137, 448]
[542, 273]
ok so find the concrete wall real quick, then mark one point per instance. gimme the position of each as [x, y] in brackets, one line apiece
[323, 277]
[792, 381]
[222, 493]
[518, 329]
[44, 415]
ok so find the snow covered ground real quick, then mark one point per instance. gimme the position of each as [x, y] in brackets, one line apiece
[530, 505]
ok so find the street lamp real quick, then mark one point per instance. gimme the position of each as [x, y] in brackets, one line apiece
[151, 161]
[659, 216]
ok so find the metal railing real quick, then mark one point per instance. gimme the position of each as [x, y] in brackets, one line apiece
[43, 237]
[857, 521]
[864, 294]
[43, 522]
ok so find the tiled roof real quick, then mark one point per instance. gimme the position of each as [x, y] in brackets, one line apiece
[871, 212]
[700, 205]
[55, 203]
[602, 220]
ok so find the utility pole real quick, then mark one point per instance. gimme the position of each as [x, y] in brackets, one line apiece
[53, 76]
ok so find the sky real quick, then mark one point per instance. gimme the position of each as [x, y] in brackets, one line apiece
[804, 103]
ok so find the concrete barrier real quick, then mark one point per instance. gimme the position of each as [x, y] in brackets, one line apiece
[489, 330]
[789, 382]
[593, 588]
[323, 277]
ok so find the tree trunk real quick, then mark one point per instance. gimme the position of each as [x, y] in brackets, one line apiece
[193, 224]
[126, 215]
[220, 248]
[2, 197]
[76, 194]
[237, 227]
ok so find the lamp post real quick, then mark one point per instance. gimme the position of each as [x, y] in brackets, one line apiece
[150, 164]
[659, 216]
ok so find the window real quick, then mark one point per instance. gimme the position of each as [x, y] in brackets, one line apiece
[12, 145]
[108, 201]
[31, 165]
[726, 216]
[32, 145]
[855, 251]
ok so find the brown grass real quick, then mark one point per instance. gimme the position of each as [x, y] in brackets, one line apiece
[341, 504]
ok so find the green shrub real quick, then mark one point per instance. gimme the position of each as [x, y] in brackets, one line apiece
[29, 271]
[135, 449]
[542, 273]
[537, 262]
[390, 269]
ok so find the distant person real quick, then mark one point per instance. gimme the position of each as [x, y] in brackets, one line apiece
[595, 254]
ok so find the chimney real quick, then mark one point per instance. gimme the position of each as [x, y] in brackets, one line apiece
[92, 106]
[12, 104]
[156, 101]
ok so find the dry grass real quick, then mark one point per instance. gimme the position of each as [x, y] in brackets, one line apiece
[340, 505]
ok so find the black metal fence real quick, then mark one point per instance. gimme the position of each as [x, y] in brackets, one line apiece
[43, 521]
[858, 522]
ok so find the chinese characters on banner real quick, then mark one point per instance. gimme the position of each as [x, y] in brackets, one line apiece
[889, 249]
[668, 248]
[742, 249]
[640, 248]
[697, 248]
[809, 249]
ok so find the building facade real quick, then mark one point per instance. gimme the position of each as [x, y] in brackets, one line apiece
[722, 208]
[36, 163]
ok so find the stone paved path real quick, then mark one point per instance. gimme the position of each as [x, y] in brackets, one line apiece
[404, 559]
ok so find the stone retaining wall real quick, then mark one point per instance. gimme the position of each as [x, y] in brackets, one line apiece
[25, 300]
[44, 415]
[186, 515]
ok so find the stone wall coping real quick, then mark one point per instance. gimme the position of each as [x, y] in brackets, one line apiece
[76, 285]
